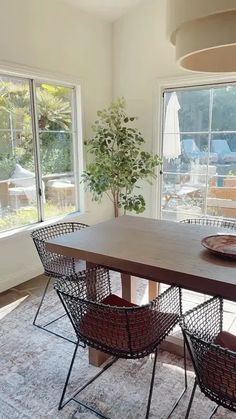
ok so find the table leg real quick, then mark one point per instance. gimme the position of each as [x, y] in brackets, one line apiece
[97, 357]
[128, 285]
[153, 290]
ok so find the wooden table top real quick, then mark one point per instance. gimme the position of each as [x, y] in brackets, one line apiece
[163, 251]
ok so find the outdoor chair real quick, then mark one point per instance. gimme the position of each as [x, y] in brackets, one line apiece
[225, 155]
[213, 353]
[191, 152]
[55, 265]
[22, 188]
[211, 222]
[106, 322]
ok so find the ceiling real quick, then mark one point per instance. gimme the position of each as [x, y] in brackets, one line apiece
[107, 9]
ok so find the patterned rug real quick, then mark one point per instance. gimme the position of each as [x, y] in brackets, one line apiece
[34, 364]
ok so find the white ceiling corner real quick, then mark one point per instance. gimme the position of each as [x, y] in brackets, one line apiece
[107, 9]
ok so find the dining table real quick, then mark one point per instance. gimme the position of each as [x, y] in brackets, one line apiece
[159, 251]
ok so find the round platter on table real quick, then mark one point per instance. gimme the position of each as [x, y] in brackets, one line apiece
[221, 244]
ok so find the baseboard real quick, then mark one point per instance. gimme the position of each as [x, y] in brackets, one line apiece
[21, 276]
[175, 345]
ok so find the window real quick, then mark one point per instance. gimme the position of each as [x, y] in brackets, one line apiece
[199, 152]
[199, 162]
[37, 149]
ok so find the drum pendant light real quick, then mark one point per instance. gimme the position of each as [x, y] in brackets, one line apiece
[204, 34]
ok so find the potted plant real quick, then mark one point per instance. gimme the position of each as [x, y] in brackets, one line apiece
[119, 161]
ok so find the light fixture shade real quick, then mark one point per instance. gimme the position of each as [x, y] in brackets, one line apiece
[204, 43]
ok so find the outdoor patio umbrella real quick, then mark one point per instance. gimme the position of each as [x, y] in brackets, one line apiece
[171, 137]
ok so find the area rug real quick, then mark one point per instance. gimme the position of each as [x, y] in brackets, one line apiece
[34, 364]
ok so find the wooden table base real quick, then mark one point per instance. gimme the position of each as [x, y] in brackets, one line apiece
[128, 285]
[153, 290]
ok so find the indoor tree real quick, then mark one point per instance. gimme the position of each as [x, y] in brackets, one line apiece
[119, 161]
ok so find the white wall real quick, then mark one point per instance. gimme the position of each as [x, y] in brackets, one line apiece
[142, 54]
[54, 37]
[126, 59]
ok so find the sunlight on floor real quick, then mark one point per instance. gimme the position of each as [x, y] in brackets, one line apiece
[10, 307]
[177, 368]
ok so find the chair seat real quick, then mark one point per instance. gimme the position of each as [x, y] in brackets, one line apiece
[116, 301]
[147, 327]
[226, 340]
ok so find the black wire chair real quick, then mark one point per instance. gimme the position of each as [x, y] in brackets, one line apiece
[106, 322]
[213, 354]
[55, 265]
[211, 222]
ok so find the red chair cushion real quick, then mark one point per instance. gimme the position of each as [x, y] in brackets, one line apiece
[114, 300]
[226, 340]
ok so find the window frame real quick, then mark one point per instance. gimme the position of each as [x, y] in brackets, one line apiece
[161, 85]
[33, 77]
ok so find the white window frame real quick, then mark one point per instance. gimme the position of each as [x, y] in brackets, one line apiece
[34, 75]
[160, 85]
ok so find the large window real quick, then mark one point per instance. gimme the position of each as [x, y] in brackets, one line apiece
[37, 149]
[199, 152]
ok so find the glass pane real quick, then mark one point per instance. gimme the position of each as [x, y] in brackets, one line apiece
[194, 109]
[180, 197]
[57, 173]
[54, 105]
[185, 178]
[224, 105]
[18, 200]
[221, 199]
[207, 162]
[224, 145]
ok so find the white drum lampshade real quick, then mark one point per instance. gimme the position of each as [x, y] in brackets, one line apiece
[204, 34]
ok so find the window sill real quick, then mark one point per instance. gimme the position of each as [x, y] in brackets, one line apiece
[27, 229]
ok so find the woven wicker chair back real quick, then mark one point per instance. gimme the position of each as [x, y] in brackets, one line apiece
[126, 332]
[214, 365]
[211, 222]
[54, 264]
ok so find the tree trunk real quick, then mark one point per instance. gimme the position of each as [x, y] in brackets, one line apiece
[116, 209]
[115, 196]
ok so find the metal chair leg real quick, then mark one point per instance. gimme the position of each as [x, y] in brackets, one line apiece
[61, 405]
[185, 384]
[53, 321]
[41, 302]
[191, 399]
[213, 412]
[151, 385]
[185, 367]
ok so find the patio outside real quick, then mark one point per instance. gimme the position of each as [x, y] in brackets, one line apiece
[200, 179]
